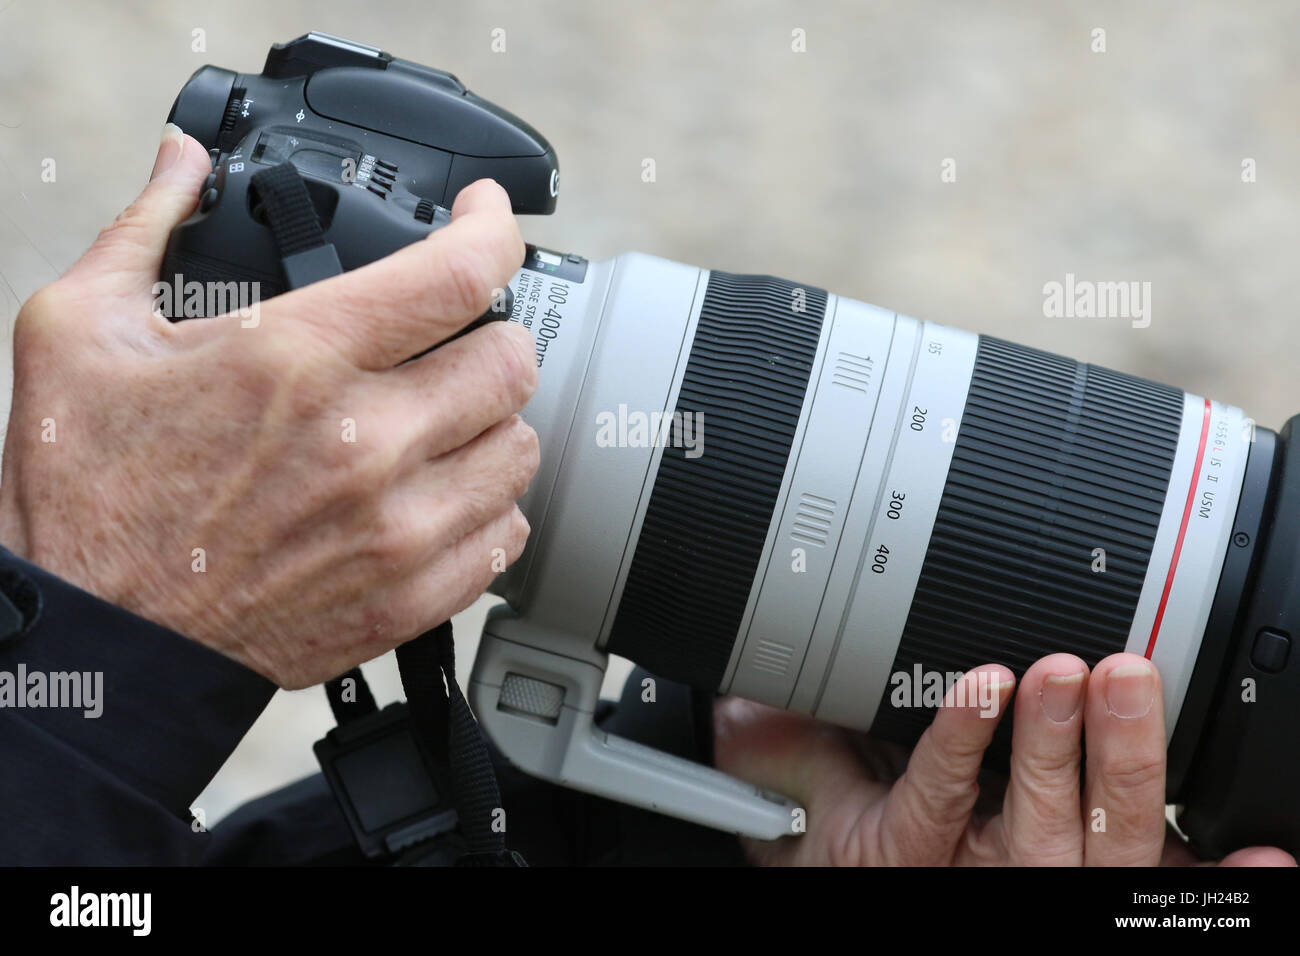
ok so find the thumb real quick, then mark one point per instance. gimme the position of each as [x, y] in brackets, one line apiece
[811, 762]
[128, 253]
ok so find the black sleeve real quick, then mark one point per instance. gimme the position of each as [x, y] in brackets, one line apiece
[110, 726]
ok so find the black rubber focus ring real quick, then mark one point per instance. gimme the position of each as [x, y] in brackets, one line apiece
[707, 518]
[1054, 459]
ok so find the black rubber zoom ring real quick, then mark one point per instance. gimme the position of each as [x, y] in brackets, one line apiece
[1054, 459]
[707, 517]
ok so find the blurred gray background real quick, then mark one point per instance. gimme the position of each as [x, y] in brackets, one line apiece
[822, 166]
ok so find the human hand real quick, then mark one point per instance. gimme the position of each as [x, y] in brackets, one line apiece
[134, 442]
[865, 809]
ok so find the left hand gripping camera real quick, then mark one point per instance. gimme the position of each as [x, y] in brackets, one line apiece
[755, 487]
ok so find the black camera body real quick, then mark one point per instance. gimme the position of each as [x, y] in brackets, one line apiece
[383, 146]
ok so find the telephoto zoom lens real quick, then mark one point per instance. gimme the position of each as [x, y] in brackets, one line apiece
[757, 488]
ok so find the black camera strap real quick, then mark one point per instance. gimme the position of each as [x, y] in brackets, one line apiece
[350, 697]
[439, 715]
[428, 669]
[281, 199]
[390, 768]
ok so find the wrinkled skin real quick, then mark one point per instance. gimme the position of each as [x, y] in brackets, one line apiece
[317, 553]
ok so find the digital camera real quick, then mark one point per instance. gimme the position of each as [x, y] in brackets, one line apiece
[755, 487]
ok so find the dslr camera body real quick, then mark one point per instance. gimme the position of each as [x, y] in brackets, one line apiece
[755, 487]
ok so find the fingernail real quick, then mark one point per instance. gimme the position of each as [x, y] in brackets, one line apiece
[169, 150]
[1061, 695]
[1130, 689]
[991, 704]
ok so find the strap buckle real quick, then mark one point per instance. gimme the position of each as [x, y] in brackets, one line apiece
[393, 792]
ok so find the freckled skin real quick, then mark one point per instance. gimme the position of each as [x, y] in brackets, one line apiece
[320, 553]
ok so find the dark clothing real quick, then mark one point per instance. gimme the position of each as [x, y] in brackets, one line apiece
[115, 789]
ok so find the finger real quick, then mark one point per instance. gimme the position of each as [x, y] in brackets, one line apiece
[1177, 852]
[930, 805]
[443, 399]
[413, 602]
[815, 764]
[1259, 856]
[464, 571]
[399, 306]
[479, 195]
[1124, 802]
[128, 254]
[1040, 814]
[472, 484]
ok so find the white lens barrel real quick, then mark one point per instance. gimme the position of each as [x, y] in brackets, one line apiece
[848, 588]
